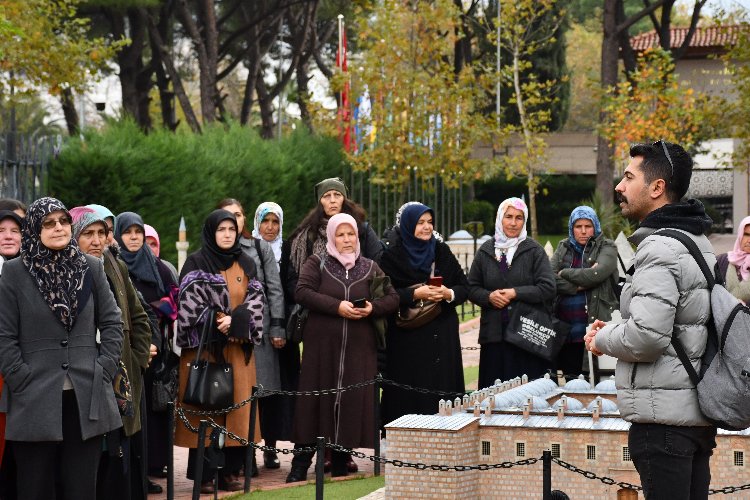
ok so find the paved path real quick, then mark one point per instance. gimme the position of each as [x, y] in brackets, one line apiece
[274, 479]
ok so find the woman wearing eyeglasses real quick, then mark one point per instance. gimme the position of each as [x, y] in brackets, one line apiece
[58, 376]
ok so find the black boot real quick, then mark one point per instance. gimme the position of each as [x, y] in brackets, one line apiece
[300, 463]
[338, 464]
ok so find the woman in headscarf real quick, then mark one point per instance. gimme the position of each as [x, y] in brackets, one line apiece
[429, 356]
[220, 279]
[510, 267]
[585, 268]
[267, 224]
[272, 424]
[121, 475]
[58, 377]
[340, 346]
[159, 290]
[392, 234]
[154, 243]
[737, 275]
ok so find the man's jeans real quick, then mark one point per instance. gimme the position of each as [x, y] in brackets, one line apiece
[672, 461]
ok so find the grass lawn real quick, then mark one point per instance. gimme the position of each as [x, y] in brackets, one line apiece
[334, 490]
[554, 239]
[471, 375]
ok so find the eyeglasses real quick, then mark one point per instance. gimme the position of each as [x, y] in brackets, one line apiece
[52, 223]
[666, 153]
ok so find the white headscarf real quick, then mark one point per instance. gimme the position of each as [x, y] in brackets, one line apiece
[265, 208]
[503, 244]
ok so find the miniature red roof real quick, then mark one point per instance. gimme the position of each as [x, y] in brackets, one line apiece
[716, 37]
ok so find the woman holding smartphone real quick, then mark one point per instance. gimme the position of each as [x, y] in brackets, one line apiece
[339, 346]
[423, 269]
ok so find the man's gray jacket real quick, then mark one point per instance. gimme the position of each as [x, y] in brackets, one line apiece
[667, 295]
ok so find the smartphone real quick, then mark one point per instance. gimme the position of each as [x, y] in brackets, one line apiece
[435, 281]
[360, 303]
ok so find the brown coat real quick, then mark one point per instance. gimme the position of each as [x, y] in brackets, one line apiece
[237, 421]
[338, 352]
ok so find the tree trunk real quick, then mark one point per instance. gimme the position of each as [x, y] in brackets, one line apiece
[69, 111]
[166, 95]
[303, 95]
[604, 151]
[266, 109]
[169, 66]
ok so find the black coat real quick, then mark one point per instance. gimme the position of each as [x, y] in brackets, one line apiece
[530, 275]
[427, 357]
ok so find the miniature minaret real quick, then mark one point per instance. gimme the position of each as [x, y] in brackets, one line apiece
[182, 245]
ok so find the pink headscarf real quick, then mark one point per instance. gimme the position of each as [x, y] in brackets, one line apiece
[738, 257]
[150, 232]
[347, 259]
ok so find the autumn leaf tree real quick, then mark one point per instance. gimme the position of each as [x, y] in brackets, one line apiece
[526, 29]
[425, 115]
[653, 104]
[47, 46]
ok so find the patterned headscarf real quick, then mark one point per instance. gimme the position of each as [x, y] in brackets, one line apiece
[346, 259]
[265, 208]
[582, 212]
[83, 217]
[503, 244]
[737, 256]
[59, 274]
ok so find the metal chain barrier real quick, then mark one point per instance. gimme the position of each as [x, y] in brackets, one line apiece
[470, 348]
[590, 475]
[729, 489]
[421, 466]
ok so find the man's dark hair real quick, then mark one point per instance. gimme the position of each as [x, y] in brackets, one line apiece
[11, 204]
[656, 165]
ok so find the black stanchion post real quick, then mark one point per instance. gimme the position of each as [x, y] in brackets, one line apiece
[376, 409]
[250, 452]
[200, 455]
[547, 475]
[319, 466]
[170, 450]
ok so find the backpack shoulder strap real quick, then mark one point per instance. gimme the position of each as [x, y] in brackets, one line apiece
[688, 242]
[256, 241]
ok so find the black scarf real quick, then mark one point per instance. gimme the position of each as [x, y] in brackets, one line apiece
[689, 215]
[61, 275]
[213, 259]
[142, 262]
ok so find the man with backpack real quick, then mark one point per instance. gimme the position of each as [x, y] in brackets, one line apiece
[666, 299]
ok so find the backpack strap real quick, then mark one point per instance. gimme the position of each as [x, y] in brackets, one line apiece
[256, 241]
[688, 242]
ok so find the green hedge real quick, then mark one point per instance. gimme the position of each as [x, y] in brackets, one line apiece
[163, 175]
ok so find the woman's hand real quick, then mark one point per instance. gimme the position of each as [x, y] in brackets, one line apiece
[277, 342]
[431, 293]
[223, 324]
[152, 351]
[348, 311]
[502, 297]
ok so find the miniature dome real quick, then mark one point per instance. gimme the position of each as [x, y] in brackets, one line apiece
[608, 406]
[607, 385]
[578, 384]
[573, 404]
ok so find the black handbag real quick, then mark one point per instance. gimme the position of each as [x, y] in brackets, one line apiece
[532, 329]
[296, 323]
[210, 385]
[165, 383]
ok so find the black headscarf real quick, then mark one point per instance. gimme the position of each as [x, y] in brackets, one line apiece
[142, 262]
[61, 275]
[213, 259]
[421, 253]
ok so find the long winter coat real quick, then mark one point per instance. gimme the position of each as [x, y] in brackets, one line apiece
[36, 353]
[428, 357]
[667, 295]
[598, 281]
[529, 275]
[136, 330]
[266, 355]
[338, 352]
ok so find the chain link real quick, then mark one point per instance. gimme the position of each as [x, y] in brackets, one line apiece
[590, 475]
[421, 390]
[470, 348]
[443, 468]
